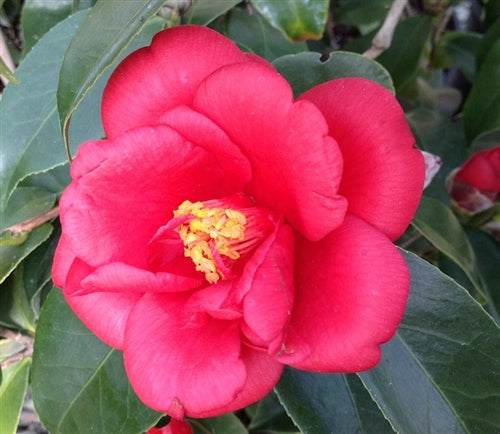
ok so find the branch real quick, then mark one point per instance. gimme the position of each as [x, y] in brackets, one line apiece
[26, 341]
[383, 38]
[34, 222]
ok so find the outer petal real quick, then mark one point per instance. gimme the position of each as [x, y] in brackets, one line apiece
[383, 172]
[482, 170]
[104, 313]
[164, 75]
[124, 190]
[182, 362]
[262, 375]
[63, 259]
[296, 166]
[123, 278]
[351, 291]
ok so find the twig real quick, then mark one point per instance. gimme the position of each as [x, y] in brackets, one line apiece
[34, 222]
[7, 58]
[26, 341]
[383, 38]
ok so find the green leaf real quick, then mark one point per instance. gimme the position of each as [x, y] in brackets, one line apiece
[296, 19]
[29, 126]
[104, 34]
[487, 41]
[439, 135]
[269, 415]
[306, 70]
[441, 373]
[481, 109]
[458, 49]
[227, 423]
[323, 403]
[12, 253]
[253, 33]
[25, 203]
[403, 56]
[203, 12]
[366, 16]
[12, 392]
[79, 383]
[38, 18]
[440, 226]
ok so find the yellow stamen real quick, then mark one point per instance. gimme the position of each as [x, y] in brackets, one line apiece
[208, 232]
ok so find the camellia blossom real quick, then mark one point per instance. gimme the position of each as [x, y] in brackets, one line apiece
[475, 186]
[223, 229]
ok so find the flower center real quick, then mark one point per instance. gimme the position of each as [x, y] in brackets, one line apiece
[216, 236]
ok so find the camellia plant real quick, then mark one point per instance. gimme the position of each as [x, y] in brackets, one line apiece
[250, 217]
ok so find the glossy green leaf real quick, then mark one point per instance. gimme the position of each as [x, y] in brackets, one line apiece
[297, 19]
[323, 403]
[227, 423]
[25, 203]
[481, 109]
[38, 17]
[12, 392]
[12, 252]
[270, 416]
[29, 125]
[440, 226]
[408, 43]
[438, 134]
[458, 49]
[366, 16]
[104, 34]
[79, 383]
[305, 70]
[441, 373]
[487, 41]
[203, 12]
[253, 33]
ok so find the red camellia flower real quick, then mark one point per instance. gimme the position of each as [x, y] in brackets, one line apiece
[475, 186]
[223, 230]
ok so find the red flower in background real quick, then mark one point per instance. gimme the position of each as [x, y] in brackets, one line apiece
[223, 229]
[475, 186]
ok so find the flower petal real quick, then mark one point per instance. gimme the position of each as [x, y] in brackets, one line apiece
[124, 190]
[182, 363]
[351, 291]
[267, 284]
[296, 166]
[120, 277]
[63, 259]
[383, 172]
[263, 372]
[104, 313]
[154, 79]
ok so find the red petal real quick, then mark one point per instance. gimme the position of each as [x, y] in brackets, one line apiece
[173, 427]
[296, 166]
[351, 291]
[125, 189]
[104, 313]
[182, 363]
[124, 278]
[383, 172]
[267, 284]
[164, 75]
[263, 373]
[63, 259]
[482, 170]
[201, 131]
